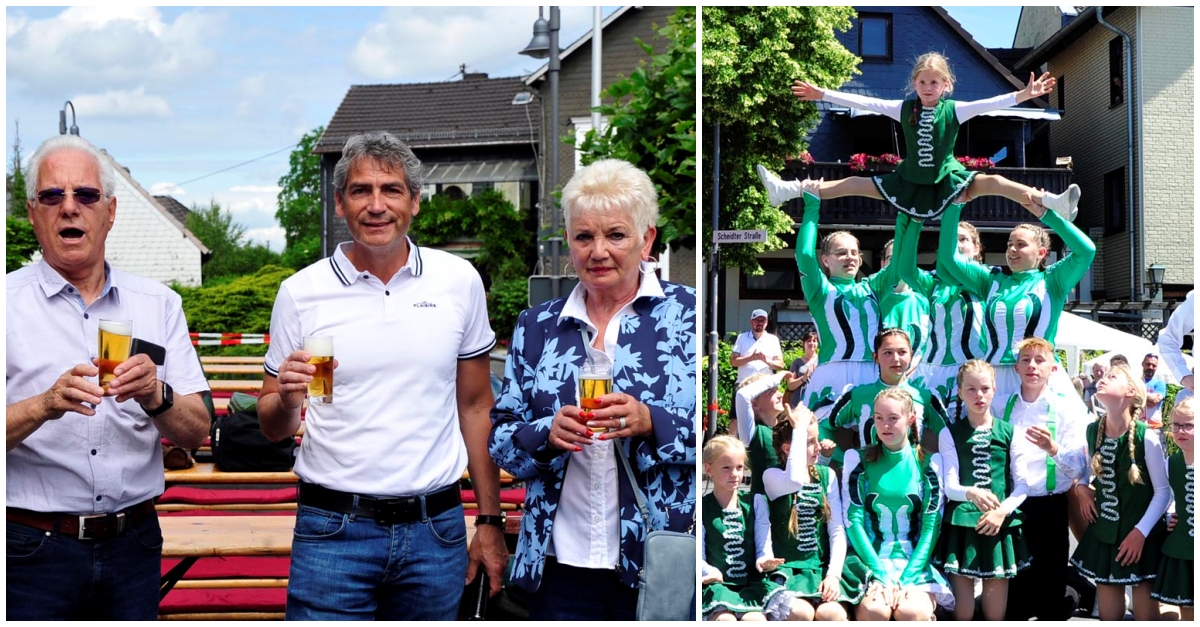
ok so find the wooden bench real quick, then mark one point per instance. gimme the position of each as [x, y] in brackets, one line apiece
[233, 369]
[247, 359]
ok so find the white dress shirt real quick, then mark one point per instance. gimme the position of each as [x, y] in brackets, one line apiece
[1029, 461]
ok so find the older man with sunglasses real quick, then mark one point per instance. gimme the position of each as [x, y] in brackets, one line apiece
[84, 464]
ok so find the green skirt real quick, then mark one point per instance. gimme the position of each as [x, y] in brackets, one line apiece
[739, 599]
[922, 201]
[1098, 559]
[1173, 585]
[855, 578]
[965, 552]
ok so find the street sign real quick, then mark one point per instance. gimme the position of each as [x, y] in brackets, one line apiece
[739, 237]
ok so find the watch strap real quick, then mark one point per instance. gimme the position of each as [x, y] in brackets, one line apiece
[167, 401]
[490, 519]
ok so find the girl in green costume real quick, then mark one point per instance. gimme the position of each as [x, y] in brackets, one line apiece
[981, 533]
[893, 501]
[929, 178]
[758, 407]
[806, 526]
[1176, 571]
[1121, 545]
[905, 308]
[736, 526]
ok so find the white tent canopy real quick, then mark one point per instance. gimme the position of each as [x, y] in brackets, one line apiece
[1076, 334]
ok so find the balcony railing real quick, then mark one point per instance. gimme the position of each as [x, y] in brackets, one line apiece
[983, 211]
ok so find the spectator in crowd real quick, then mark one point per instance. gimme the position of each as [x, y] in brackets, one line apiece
[1156, 390]
[757, 350]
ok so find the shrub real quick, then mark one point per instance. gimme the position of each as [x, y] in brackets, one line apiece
[242, 305]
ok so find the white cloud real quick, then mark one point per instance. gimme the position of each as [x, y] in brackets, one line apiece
[250, 205]
[272, 236]
[167, 189]
[109, 47]
[257, 189]
[122, 104]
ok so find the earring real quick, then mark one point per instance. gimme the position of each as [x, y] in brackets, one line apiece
[569, 270]
[653, 264]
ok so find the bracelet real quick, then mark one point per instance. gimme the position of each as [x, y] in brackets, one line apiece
[490, 519]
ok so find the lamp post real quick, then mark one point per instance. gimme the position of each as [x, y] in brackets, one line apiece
[62, 119]
[545, 45]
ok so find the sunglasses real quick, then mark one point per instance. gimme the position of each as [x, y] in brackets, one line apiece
[54, 197]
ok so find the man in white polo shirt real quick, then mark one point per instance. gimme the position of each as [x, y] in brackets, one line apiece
[380, 530]
[757, 350]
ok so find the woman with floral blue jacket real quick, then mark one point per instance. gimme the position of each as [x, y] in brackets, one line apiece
[581, 541]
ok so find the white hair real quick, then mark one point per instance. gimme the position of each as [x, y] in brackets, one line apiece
[68, 142]
[609, 185]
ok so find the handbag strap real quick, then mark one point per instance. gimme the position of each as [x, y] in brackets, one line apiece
[637, 492]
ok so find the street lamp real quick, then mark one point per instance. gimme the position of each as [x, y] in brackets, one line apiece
[62, 119]
[1154, 278]
[545, 44]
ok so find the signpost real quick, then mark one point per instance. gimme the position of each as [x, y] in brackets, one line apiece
[721, 237]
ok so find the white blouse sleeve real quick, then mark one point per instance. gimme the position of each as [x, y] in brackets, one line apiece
[1156, 463]
[1072, 456]
[762, 528]
[836, 527]
[743, 404]
[955, 491]
[967, 110]
[890, 108]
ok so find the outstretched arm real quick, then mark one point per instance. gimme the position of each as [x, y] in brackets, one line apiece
[955, 268]
[812, 280]
[1068, 271]
[904, 256]
[808, 91]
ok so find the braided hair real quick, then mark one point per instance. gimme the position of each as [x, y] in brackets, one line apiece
[782, 435]
[1137, 405]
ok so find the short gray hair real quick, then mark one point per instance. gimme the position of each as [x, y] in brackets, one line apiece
[612, 184]
[68, 142]
[385, 148]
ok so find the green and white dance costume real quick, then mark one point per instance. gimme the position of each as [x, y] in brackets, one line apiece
[819, 546]
[855, 407]
[979, 458]
[1176, 574]
[929, 178]
[957, 328]
[1122, 506]
[1018, 304]
[732, 540]
[758, 438]
[893, 515]
[847, 316]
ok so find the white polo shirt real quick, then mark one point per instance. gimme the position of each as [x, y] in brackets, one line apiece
[88, 464]
[392, 429]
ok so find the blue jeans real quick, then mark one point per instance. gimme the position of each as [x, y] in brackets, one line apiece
[347, 567]
[56, 577]
[573, 593]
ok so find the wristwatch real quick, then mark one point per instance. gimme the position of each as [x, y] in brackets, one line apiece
[168, 401]
[490, 519]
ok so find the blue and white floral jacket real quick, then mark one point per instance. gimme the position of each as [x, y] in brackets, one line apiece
[656, 364]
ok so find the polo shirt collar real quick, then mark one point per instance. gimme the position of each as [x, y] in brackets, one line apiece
[345, 271]
[576, 308]
[53, 283]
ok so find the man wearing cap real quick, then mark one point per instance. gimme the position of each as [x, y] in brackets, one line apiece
[84, 463]
[757, 350]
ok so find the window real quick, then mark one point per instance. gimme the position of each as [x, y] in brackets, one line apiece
[875, 36]
[1114, 202]
[1116, 81]
[779, 280]
[1061, 88]
[479, 188]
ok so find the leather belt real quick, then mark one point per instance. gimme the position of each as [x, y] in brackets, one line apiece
[86, 527]
[385, 511]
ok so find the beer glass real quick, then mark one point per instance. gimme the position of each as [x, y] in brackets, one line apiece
[595, 380]
[115, 338]
[320, 354]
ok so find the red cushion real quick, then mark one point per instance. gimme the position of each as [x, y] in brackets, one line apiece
[516, 496]
[238, 599]
[217, 496]
[233, 567]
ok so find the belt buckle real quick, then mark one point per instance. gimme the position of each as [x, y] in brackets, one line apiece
[79, 535]
[391, 511]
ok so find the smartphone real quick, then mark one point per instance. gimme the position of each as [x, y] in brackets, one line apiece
[157, 354]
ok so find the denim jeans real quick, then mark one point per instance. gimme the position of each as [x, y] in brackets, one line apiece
[348, 567]
[52, 576]
[573, 593]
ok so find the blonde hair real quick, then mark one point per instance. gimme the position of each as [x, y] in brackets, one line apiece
[1182, 406]
[908, 408]
[1040, 237]
[936, 63]
[827, 243]
[1136, 407]
[758, 376]
[611, 186]
[1034, 343]
[722, 444]
[975, 366]
[782, 435]
[974, 233]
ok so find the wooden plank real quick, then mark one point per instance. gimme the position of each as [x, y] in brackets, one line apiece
[207, 473]
[239, 359]
[216, 536]
[224, 616]
[222, 584]
[226, 507]
[238, 385]
[233, 369]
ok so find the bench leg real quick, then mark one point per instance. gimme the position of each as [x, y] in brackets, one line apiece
[174, 575]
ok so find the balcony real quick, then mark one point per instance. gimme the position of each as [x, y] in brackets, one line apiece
[992, 211]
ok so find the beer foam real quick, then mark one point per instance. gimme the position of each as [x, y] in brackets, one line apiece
[116, 327]
[319, 345]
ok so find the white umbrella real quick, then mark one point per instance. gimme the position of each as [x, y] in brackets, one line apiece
[1076, 334]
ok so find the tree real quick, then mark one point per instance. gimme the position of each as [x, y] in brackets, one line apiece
[751, 56]
[20, 243]
[15, 178]
[299, 211]
[652, 124]
[231, 255]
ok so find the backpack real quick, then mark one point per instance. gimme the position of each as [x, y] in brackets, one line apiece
[238, 444]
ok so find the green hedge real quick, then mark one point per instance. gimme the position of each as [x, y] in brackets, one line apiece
[242, 305]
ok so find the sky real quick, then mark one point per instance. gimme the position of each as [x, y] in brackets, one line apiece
[176, 94]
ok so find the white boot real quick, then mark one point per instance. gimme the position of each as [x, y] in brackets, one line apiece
[779, 191]
[1065, 204]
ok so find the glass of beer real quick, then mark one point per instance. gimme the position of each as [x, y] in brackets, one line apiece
[595, 380]
[320, 354]
[115, 338]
